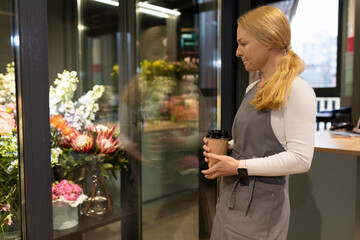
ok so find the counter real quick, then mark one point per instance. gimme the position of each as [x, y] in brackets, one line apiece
[325, 201]
[325, 141]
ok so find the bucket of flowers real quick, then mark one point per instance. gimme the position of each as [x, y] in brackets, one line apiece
[66, 196]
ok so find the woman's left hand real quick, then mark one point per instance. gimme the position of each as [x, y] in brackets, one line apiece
[226, 166]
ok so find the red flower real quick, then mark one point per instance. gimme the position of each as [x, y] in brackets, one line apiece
[106, 142]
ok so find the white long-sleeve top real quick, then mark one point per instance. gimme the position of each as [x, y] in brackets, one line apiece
[294, 127]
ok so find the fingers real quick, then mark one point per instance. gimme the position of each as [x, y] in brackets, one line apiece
[226, 166]
[210, 173]
[206, 148]
[212, 155]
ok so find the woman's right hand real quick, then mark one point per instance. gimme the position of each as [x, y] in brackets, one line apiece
[206, 148]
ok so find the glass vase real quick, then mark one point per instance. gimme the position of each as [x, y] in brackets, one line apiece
[97, 187]
[11, 232]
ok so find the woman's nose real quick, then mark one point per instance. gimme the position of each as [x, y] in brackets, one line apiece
[238, 52]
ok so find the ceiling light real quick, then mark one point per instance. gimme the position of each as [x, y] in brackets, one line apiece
[159, 9]
[154, 13]
[109, 2]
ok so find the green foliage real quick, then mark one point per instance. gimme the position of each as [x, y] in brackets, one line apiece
[9, 178]
[74, 164]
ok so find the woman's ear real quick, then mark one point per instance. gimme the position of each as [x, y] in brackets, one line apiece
[270, 44]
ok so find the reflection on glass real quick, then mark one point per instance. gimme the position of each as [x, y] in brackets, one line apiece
[99, 105]
[171, 106]
[9, 164]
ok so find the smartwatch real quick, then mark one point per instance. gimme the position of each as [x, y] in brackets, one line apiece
[242, 173]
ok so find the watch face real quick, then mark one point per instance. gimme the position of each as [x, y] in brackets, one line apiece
[242, 173]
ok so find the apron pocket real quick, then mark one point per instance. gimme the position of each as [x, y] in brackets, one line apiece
[232, 235]
[254, 224]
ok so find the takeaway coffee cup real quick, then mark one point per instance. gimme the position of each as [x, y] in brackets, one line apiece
[218, 143]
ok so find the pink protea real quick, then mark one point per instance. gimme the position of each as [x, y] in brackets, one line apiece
[83, 142]
[98, 128]
[106, 142]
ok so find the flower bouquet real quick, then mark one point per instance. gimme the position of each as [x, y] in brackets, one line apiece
[82, 151]
[181, 109]
[90, 157]
[151, 69]
[66, 196]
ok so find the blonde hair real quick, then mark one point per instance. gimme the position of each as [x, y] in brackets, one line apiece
[271, 27]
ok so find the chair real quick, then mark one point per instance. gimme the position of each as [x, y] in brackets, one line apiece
[335, 117]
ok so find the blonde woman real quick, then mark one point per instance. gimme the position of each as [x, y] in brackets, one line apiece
[273, 133]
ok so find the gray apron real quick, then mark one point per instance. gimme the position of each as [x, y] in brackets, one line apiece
[256, 208]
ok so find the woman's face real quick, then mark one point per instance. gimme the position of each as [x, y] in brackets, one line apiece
[254, 54]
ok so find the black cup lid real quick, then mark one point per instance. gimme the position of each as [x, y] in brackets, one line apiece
[218, 134]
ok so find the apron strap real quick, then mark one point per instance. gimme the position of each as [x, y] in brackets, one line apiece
[250, 182]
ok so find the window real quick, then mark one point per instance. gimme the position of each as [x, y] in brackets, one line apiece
[315, 38]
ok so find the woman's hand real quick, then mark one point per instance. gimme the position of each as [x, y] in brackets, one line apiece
[226, 166]
[207, 149]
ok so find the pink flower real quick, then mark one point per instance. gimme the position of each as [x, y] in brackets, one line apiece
[67, 189]
[73, 197]
[4, 126]
[8, 118]
[11, 106]
[5, 208]
[8, 222]
[2, 108]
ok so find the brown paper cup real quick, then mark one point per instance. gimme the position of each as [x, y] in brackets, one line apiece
[218, 144]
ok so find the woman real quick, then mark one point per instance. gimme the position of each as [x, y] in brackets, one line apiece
[273, 133]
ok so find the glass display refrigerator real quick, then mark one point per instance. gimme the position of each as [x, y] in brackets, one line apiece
[104, 105]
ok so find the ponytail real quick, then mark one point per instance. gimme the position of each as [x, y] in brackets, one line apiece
[274, 91]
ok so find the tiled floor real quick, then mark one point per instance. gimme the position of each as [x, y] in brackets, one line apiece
[175, 218]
